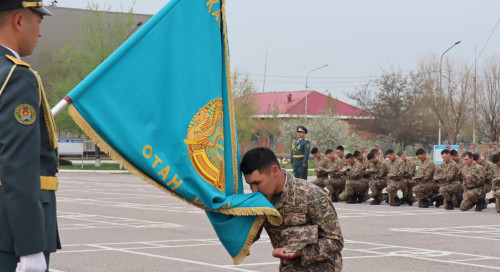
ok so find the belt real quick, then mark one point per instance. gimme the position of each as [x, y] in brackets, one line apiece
[47, 183]
[298, 156]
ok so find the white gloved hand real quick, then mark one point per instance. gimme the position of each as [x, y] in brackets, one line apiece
[32, 263]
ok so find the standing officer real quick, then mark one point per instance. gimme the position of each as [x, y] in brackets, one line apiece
[300, 154]
[28, 146]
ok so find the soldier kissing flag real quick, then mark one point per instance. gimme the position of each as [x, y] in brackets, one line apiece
[162, 106]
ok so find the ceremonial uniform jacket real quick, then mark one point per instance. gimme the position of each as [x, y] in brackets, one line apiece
[28, 223]
[476, 172]
[310, 224]
[448, 173]
[321, 165]
[396, 168]
[300, 151]
[425, 172]
[409, 168]
[335, 166]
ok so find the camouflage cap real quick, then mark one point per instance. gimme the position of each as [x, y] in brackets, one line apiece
[299, 237]
[36, 6]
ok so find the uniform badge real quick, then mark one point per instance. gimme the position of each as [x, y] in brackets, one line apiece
[25, 114]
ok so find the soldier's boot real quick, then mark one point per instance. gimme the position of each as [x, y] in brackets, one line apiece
[491, 200]
[449, 205]
[485, 203]
[351, 200]
[361, 198]
[426, 203]
[391, 200]
[459, 201]
[397, 202]
[386, 197]
[375, 201]
[409, 200]
[480, 205]
[404, 199]
[335, 198]
[438, 199]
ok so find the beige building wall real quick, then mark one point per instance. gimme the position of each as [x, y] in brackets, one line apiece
[64, 27]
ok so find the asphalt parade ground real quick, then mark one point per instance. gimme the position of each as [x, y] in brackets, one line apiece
[116, 222]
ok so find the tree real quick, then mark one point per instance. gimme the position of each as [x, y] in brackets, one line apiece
[101, 35]
[64, 68]
[244, 104]
[448, 94]
[398, 107]
[326, 131]
[488, 94]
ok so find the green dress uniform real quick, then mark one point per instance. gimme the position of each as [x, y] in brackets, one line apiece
[28, 165]
[300, 155]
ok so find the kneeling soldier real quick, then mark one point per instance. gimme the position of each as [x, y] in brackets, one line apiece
[395, 175]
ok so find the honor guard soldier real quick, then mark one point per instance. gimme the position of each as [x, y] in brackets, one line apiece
[300, 154]
[28, 146]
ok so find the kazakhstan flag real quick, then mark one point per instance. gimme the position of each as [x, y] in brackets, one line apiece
[162, 106]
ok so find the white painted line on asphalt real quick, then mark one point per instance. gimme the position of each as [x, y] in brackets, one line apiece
[101, 221]
[426, 254]
[175, 259]
[492, 231]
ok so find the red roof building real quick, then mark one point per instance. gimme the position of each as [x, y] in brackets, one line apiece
[293, 105]
[289, 105]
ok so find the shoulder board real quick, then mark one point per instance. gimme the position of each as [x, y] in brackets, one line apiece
[17, 61]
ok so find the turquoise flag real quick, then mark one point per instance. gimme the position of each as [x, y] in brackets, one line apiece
[162, 106]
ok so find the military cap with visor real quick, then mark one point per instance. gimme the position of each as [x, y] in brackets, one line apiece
[36, 6]
[302, 129]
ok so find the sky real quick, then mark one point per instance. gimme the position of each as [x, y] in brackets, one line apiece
[357, 39]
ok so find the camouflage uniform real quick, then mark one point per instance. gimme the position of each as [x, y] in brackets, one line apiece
[426, 186]
[485, 152]
[336, 183]
[321, 165]
[496, 187]
[488, 168]
[461, 151]
[410, 168]
[473, 151]
[366, 164]
[378, 179]
[474, 189]
[396, 168]
[310, 224]
[354, 181]
[449, 184]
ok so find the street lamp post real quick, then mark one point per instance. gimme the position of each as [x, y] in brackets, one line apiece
[440, 88]
[307, 87]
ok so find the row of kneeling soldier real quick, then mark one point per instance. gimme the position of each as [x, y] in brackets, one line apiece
[461, 181]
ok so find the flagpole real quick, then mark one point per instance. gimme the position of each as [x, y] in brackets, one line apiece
[61, 106]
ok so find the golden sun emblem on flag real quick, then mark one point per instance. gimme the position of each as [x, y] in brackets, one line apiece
[205, 143]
